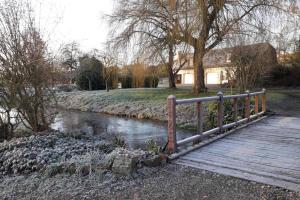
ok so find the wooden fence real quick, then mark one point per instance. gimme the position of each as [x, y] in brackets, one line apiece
[172, 102]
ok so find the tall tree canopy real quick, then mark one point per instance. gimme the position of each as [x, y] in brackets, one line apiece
[201, 24]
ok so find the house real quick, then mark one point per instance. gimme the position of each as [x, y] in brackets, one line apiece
[218, 62]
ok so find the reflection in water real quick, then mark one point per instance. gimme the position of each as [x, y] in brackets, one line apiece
[135, 132]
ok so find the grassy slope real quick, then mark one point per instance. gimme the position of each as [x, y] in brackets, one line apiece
[151, 103]
[284, 102]
[139, 103]
[152, 94]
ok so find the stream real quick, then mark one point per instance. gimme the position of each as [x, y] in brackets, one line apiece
[134, 132]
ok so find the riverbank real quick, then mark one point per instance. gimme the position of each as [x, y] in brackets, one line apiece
[151, 103]
[134, 103]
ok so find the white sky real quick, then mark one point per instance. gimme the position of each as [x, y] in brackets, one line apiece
[64, 21]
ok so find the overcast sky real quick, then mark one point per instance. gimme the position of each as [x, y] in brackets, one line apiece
[65, 21]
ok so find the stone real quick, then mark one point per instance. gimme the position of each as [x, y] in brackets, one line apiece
[107, 162]
[140, 116]
[54, 169]
[70, 168]
[125, 162]
[84, 170]
[124, 165]
[154, 161]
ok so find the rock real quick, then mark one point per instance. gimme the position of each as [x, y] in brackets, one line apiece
[70, 168]
[154, 161]
[124, 162]
[84, 170]
[107, 162]
[54, 169]
[124, 165]
[105, 147]
[140, 116]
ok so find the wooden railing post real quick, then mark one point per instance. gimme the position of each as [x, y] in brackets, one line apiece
[263, 101]
[220, 111]
[256, 100]
[247, 105]
[171, 106]
[235, 109]
[199, 118]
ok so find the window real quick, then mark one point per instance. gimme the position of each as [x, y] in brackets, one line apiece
[228, 57]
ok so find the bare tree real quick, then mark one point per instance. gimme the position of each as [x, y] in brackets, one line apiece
[24, 65]
[250, 65]
[70, 55]
[149, 24]
[110, 63]
[201, 24]
[205, 24]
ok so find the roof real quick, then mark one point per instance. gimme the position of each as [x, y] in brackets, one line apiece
[222, 57]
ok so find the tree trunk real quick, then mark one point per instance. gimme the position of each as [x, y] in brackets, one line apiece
[90, 84]
[171, 75]
[199, 84]
[172, 83]
[106, 85]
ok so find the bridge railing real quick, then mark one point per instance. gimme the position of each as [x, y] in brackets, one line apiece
[172, 102]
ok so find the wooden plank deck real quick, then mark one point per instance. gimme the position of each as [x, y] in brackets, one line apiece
[266, 152]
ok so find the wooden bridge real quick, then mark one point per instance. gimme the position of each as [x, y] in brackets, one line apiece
[257, 148]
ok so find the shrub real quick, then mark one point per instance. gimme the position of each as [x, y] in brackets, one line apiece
[90, 74]
[153, 146]
[288, 76]
[4, 132]
[118, 142]
[151, 82]
[229, 113]
[126, 81]
[112, 77]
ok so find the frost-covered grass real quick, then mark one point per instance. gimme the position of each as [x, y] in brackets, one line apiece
[284, 101]
[150, 103]
[146, 94]
[139, 103]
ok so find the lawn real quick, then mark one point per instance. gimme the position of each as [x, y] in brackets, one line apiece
[152, 94]
[284, 101]
[280, 101]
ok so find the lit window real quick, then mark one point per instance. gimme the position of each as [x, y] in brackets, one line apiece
[228, 58]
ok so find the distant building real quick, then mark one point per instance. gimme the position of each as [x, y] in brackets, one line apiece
[217, 61]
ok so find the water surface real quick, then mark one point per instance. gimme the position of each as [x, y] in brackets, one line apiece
[134, 132]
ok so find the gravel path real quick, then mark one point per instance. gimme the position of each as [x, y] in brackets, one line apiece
[168, 182]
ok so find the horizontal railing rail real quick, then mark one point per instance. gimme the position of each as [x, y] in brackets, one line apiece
[172, 102]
